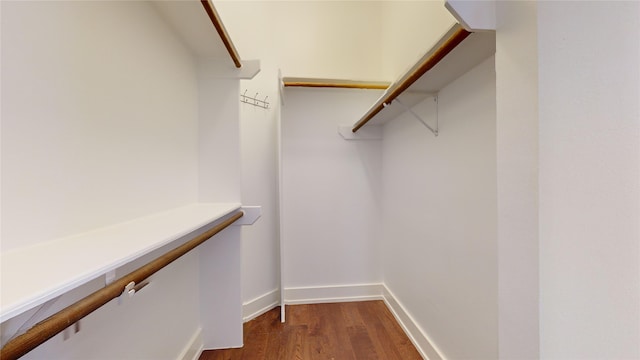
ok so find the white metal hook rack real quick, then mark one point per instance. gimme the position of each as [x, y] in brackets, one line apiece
[254, 100]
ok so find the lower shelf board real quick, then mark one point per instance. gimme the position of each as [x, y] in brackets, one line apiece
[33, 275]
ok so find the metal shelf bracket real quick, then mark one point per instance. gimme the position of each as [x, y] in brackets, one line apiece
[434, 131]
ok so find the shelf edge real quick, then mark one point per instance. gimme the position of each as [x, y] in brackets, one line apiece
[222, 31]
[447, 43]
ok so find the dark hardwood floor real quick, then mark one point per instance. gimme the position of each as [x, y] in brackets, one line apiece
[340, 331]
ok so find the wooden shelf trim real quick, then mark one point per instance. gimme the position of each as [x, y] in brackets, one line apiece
[411, 77]
[332, 83]
[61, 320]
[222, 31]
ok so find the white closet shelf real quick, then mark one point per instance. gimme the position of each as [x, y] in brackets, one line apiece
[36, 274]
[455, 53]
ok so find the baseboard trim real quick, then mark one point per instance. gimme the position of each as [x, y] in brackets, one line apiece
[194, 347]
[338, 293]
[260, 305]
[346, 293]
[425, 346]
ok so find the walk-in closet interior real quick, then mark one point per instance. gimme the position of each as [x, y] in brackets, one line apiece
[173, 169]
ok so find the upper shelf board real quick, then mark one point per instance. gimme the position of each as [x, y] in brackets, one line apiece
[471, 51]
[190, 20]
[34, 275]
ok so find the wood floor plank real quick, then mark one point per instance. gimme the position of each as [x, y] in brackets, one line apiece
[391, 332]
[276, 342]
[337, 331]
[378, 334]
[359, 337]
[318, 345]
[382, 339]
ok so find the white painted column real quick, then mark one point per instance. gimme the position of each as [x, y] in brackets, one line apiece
[517, 178]
[219, 181]
[589, 86]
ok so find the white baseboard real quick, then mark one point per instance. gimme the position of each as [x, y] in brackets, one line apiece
[260, 305]
[194, 347]
[346, 293]
[425, 346]
[339, 293]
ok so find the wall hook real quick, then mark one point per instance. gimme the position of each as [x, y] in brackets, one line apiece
[254, 100]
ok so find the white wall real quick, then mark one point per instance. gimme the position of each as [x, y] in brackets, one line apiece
[325, 39]
[91, 133]
[329, 39]
[331, 187]
[137, 328]
[589, 86]
[261, 259]
[361, 40]
[409, 29]
[100, 125]
[250, 26]
[351, 40]
[517, 178]
[439, 217]
[219, 172]
[295, 37]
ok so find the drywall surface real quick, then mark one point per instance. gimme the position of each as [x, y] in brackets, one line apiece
[131, 329]
[308, 39]
[359, 40]
[99, 125]
[517, 178]
[96, 129]
[219, 159]
[258, 142]
[331, 187]
[439, 217]
[409, 30]
[349, 40]
[252, 30]
[326, 39]
[218, 137]
[589, 86]
[330, 39]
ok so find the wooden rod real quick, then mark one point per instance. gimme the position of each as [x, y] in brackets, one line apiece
[363, 85]
[64, 318]
[222, 31]
[428, 63]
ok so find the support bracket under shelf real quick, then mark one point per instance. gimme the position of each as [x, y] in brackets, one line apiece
[434, 131]
[9, 333]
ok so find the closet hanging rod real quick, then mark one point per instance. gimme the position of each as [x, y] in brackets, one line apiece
[222, 31]
[406, 81]
[329, 83]
[56, 323]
